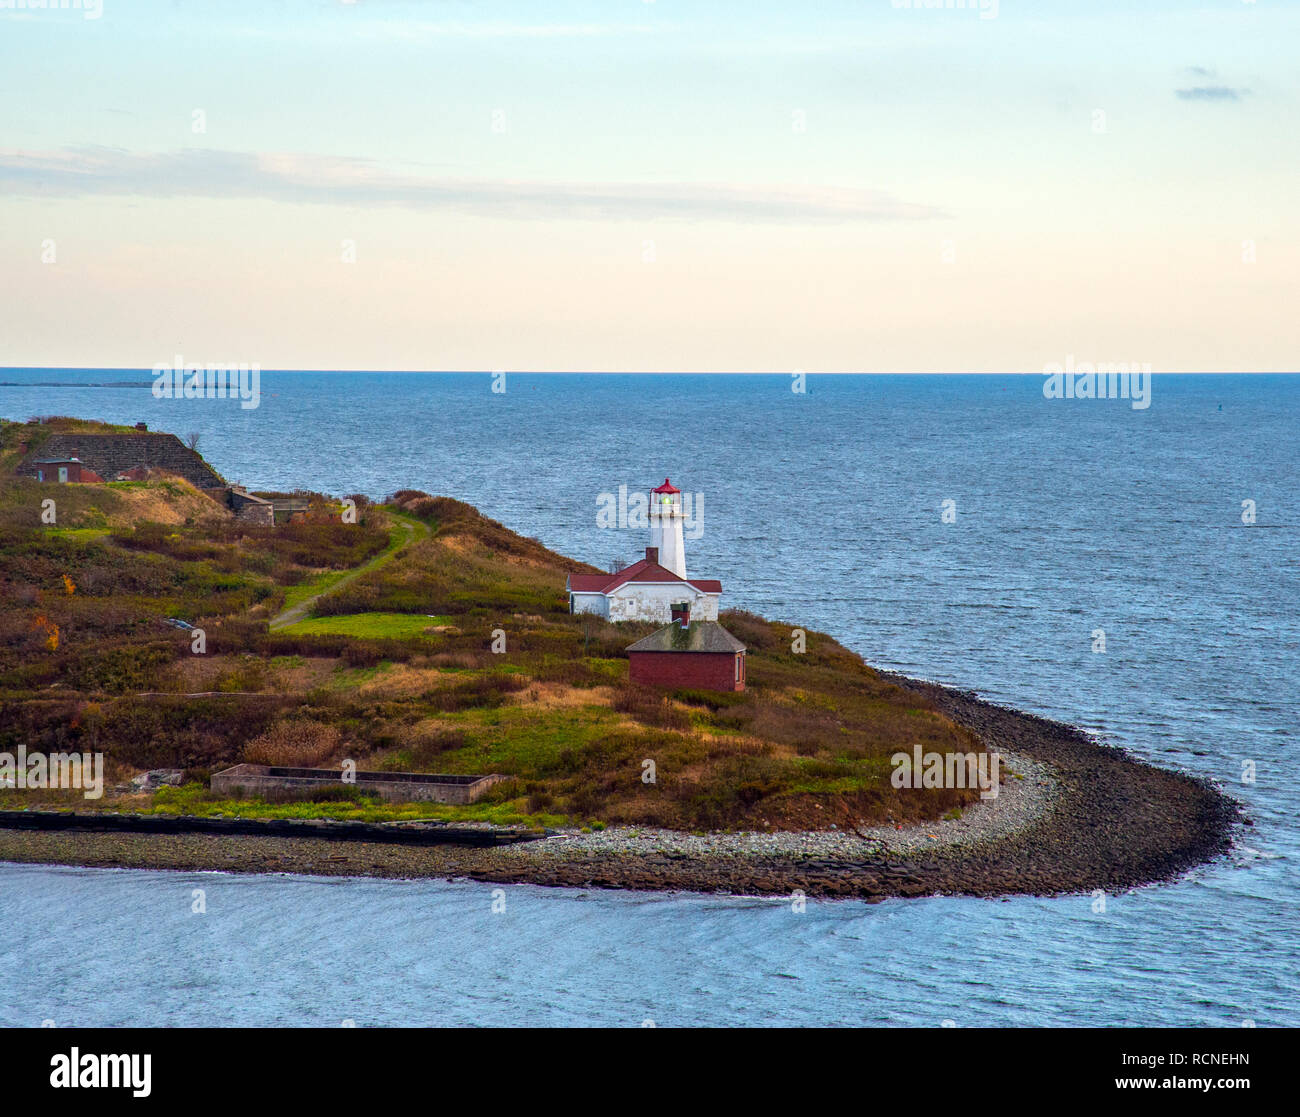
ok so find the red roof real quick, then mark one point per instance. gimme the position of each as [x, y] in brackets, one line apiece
[641, 571]
[666, 487]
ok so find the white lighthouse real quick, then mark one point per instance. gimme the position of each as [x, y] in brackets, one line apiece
[666, 527]
[656, 587]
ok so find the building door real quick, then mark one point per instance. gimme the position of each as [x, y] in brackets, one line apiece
[63, 473]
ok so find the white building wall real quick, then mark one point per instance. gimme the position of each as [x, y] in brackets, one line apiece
[705, 608]
[596, 603]
[654, 601]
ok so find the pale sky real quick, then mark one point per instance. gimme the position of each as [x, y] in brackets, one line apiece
[651, 186]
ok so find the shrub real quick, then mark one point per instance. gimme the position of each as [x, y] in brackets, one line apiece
[711, 699]
[294, 744]
[650, 707]
[121, 670]
[482, 691]
[427, 744]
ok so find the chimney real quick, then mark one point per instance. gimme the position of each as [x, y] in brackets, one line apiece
[682, 614]
[652, 555]
[142, 426]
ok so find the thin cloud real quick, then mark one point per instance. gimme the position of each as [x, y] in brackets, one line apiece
[1211, 93]
[329, 180]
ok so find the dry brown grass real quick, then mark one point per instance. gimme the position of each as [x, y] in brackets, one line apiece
[295, 744]
[168, 500]
[196, 674]
[401, 681]
[311, 672]
[561, 696]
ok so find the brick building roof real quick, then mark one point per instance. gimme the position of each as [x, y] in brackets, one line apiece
[701, 636]
[643, 570]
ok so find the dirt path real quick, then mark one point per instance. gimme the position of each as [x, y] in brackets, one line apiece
[414, 529]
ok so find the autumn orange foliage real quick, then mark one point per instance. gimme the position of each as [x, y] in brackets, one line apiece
[43, 624]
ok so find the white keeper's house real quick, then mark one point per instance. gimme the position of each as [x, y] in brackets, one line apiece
[650, 588]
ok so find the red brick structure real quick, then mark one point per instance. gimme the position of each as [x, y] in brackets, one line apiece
[700, 656]
[70, 470]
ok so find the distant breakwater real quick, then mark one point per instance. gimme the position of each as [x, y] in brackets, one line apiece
[75, 384]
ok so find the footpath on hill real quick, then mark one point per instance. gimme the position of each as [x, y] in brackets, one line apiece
[411, 530]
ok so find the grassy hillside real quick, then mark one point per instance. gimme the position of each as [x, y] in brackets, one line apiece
[396, 669]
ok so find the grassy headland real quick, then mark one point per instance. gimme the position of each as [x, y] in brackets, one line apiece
[392, 666]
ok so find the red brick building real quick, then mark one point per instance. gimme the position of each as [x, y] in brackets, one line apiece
[698, 655]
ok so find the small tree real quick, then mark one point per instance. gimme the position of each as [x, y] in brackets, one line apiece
[192, 440]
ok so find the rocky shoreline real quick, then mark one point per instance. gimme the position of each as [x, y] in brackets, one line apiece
[1073, 816]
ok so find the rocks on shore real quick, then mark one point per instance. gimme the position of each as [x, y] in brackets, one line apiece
[158, 777]
[1081, 816]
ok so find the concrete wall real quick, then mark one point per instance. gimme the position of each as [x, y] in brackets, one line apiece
[250, 508]
[255, 779]
[701, 670]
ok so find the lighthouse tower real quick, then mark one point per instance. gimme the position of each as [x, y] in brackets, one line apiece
[666, 527]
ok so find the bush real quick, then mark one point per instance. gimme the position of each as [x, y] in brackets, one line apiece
[711, 699]
[426, 745]
[650, 707]
[294, 744]
[483, 691]
[122, 670]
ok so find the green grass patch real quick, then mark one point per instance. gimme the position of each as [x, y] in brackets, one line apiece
[313, 587]
[195, 800]
[371, 626]
[81, 534]
[520, 740]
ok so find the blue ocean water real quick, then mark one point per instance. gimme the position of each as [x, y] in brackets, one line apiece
[823, 508]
